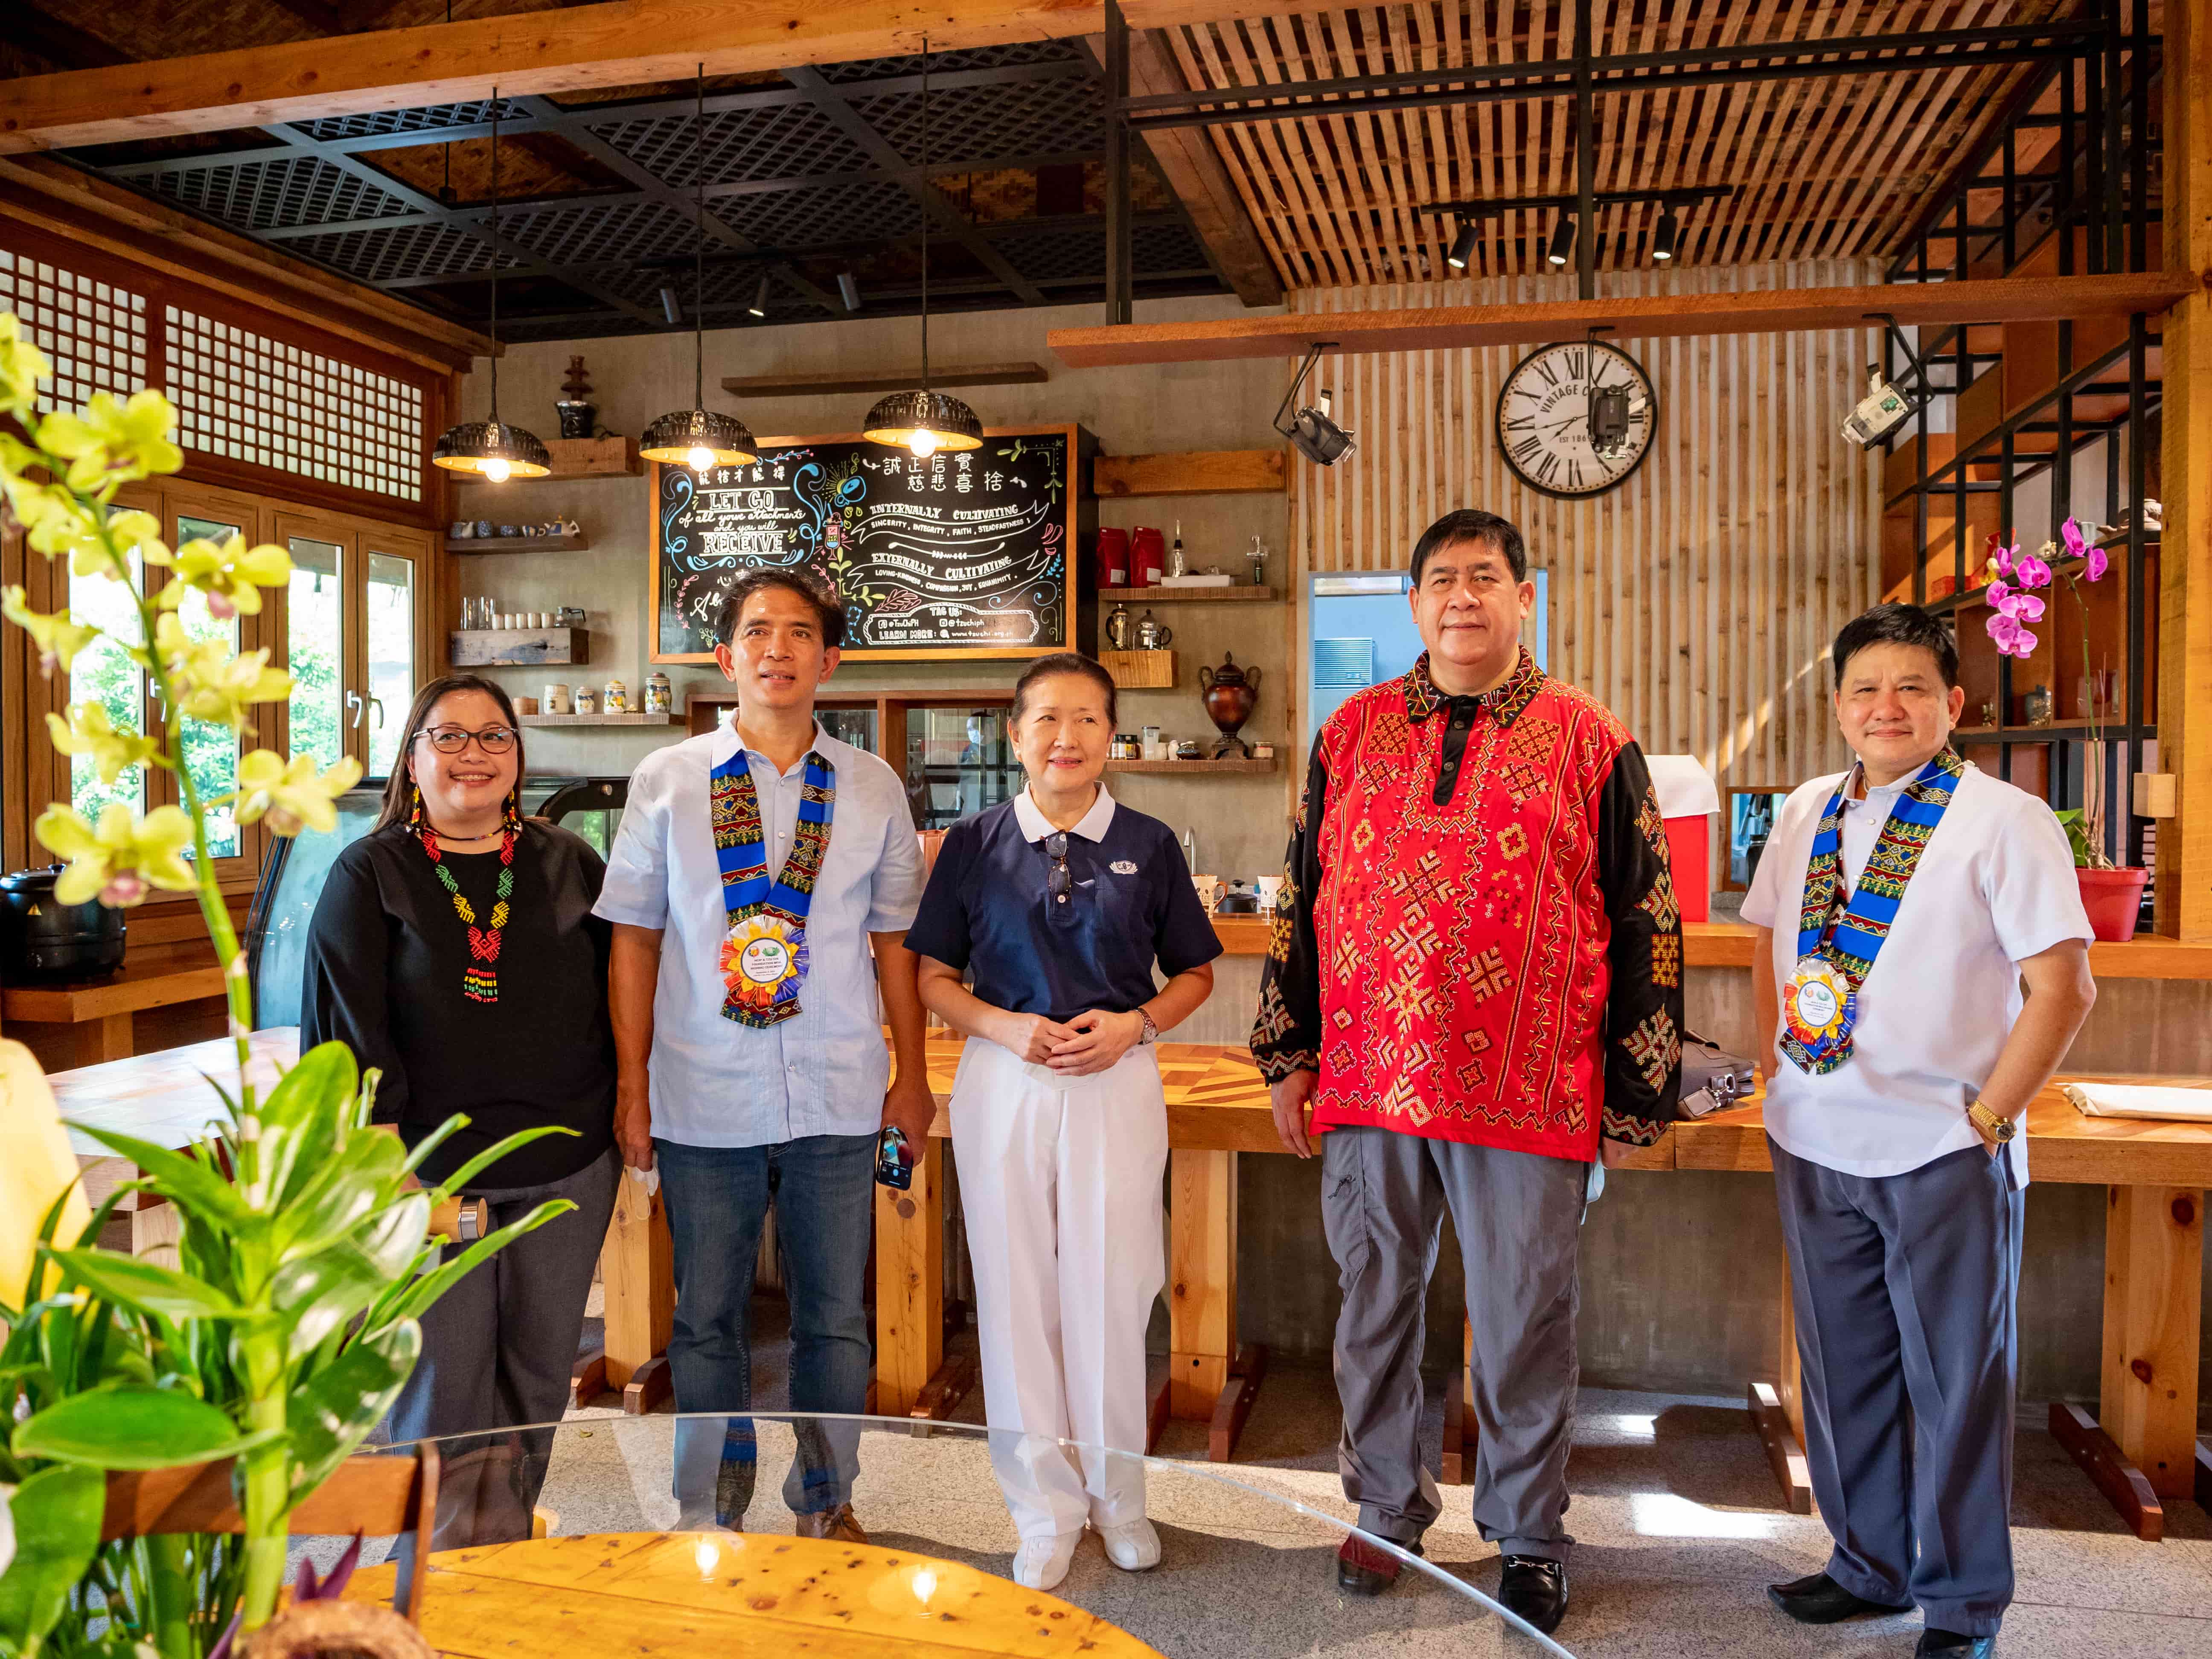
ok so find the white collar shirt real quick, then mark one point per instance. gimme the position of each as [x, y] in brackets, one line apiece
[717, 1083]
[1993, 886]
[1091, 826]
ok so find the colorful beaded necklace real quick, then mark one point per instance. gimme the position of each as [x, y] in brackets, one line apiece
[480, 979]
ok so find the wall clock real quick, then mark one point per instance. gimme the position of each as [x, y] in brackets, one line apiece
[1547, 408]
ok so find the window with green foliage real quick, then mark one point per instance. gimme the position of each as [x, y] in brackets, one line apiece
[104, 674]
[315, 606]
[210, 751]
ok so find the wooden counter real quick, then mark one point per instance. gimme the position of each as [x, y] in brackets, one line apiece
[72, 1022]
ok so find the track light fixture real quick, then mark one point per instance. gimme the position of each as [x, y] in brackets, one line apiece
[1664, 238]
[759, 307]
[849, 290]
[1314, 434]
[488, 449]
[669, 307]
[1462, 247]
[1563, 241]
[698, 437]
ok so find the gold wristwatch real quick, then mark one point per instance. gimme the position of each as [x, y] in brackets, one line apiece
[1994, 1125]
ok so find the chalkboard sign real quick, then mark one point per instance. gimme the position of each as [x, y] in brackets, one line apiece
[956, 556]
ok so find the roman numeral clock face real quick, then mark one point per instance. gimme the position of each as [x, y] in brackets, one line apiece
[1577, 418]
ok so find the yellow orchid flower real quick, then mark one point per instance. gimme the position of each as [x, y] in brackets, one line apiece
[213, 682]
[23, 366]
[59, 524]
[122, 860]
[229, 573]
[292, 797]
[60, 637]
[87, 731]
[114, 441]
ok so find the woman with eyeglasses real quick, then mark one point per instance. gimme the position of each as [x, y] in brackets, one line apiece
[1061, 903]
[454, 950]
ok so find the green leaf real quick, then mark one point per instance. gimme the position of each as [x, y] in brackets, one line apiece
[354, 1180]
[423, 1292]
[334, 1410]
[186, 1180]
[57, 1513]
[458, 1181]
[318, 1294]
[300, 1120]
[437, 1137]
[395, 1236]
[127, 1428]
[135, 1283]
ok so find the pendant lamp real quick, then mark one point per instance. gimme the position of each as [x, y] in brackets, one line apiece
[699, 437]
[924, 421]
[489, 449]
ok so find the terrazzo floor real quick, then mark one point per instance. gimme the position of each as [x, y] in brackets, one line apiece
[1676, 1518]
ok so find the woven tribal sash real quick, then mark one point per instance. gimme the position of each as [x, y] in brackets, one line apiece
[759, 909]
[1850, 930]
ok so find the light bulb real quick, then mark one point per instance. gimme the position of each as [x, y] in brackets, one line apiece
[922, 442]
[699, 457]
[497, 470]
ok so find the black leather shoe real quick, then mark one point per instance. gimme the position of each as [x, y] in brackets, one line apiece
[1818, 1599]
[1951, 1645]
[1536, 1589]
[1362, 1570]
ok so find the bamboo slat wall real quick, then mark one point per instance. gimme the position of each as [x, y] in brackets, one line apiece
[1698, 598]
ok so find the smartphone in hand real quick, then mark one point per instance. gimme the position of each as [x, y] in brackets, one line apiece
[894, 1160]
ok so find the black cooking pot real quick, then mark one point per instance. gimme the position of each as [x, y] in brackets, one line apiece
[40, 940]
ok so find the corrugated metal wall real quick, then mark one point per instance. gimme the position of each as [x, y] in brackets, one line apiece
[1698, 598]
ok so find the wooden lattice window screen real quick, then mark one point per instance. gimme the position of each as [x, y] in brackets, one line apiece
[251, 399]
[95, 333]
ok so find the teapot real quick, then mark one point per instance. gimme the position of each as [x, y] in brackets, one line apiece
[1230, 694]
[1153, 635]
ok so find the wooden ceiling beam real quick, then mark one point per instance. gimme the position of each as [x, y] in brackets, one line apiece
[1769, 311]
[617, 43]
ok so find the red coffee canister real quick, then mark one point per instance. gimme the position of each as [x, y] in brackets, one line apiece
[1147, 556]
[1113, 558]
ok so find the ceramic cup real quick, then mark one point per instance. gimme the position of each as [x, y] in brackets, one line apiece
[556, 699]
[484, 526]
[1271, 889]
[1209, 890]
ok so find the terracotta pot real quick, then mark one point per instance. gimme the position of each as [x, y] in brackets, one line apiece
[2113, 899]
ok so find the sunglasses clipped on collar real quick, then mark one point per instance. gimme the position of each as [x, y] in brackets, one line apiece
[1057, 881]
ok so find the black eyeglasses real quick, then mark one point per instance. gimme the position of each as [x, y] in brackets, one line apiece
[1057, 881]
[452, 740]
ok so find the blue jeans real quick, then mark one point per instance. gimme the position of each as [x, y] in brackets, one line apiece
[717, 1197]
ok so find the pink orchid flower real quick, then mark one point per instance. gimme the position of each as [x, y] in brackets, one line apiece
[2097, 565]
[2032, 571]
[2003, 556]
[2000, 593]
[2026, 607]
[2071, 533]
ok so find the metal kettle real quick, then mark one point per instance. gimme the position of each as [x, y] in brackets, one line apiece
[1118, 628]
[1152, 634]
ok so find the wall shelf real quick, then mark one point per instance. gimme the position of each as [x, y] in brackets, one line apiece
[578, 544]
[600, 719]
[1141, 670]
[519, 648]
[1189, 595]
[586, 458]
[1172, 768]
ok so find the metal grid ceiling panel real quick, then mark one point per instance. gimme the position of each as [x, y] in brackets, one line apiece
[982, 125]
[93, 332]
[251, 399]
[399, 254]
[779, 140]
[602, 234]
[808, 218]
[287, 190]
[381, 122]
[1165, 248]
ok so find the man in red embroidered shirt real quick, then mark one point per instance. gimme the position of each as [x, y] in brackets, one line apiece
[1473, 985]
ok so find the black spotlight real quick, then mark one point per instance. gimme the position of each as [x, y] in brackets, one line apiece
[759, 307]
[1563, 241]
[1313, 433]
[850, 289]
[1462, 247]
[1663, 239]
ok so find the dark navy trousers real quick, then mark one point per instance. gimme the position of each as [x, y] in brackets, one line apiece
[1906, 1287]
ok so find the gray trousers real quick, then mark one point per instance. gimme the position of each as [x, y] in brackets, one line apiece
[1517, 1216]
[497, 1349]
[1904, 1287]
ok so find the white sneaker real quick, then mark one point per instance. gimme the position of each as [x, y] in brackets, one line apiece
[1132, 1546]
[1041, 1563]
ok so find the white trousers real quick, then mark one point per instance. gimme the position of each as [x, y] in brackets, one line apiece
[1060, 1189]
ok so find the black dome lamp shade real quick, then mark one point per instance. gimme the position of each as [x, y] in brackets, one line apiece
[491, 449]
[925, 421]
[699, 437]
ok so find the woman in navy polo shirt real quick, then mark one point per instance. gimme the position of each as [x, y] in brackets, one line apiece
[1060, 902]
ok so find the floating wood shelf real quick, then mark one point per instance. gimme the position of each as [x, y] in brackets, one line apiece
[1165, 768]
[1189, 595]
[1198, 473]
[1141, 670]
[519, 648]
[600, 719]
[888, 380]
[579, 543]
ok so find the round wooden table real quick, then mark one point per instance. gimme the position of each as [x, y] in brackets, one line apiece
[608, 1595]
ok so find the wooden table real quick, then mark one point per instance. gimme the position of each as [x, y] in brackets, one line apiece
[2142, 1446]
[77, 1023]
[617, 1594]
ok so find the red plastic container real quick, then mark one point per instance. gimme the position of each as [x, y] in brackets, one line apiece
[1148, 560]
[2113, 899]
[1113, 558]
[1689, 855]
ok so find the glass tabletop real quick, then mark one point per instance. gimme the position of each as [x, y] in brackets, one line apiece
[699, 1508]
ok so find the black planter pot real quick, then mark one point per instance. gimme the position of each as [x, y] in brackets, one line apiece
[42, 940]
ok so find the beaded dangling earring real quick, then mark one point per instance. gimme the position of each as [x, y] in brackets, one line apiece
[415, 814]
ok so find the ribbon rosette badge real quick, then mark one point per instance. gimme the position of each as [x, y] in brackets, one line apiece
[1816, 1005]
[763, 960]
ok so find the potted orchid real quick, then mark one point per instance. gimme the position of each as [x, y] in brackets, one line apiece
[2112, 895]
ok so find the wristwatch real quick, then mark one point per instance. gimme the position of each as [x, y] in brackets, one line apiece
[1998, 1126]
[1152, 1031]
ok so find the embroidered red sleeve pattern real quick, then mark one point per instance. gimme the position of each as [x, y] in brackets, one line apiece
[1286, 1034]
[1643, 1011]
